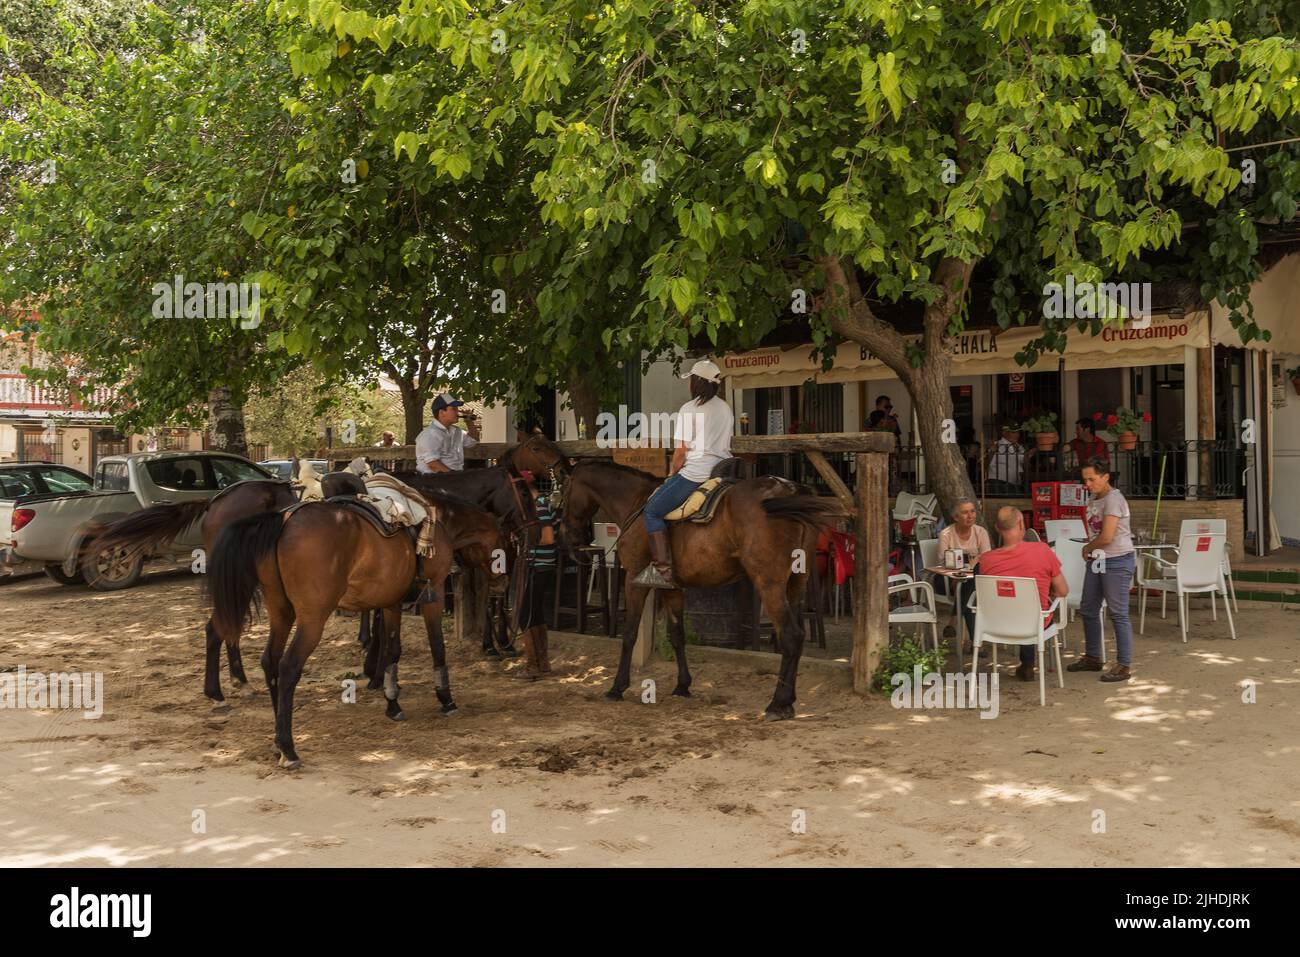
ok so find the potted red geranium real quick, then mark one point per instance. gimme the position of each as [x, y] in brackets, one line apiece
[1126, 423]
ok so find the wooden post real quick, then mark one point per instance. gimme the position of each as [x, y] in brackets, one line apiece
[831, 477]
[1205, 416]
[460, 620]
[871, 569]
[644, 648]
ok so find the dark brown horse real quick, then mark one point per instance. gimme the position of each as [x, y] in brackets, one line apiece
[157, 527]
[324, 556]
[756, 531]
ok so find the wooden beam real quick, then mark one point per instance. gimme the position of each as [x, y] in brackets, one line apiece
[814, 442]
[871, 568]
[832, 478]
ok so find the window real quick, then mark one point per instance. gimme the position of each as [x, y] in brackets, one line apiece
[63, 480]
[37, 448]
[230, 471]
[112, 477]
[15, 483]
[181, 474]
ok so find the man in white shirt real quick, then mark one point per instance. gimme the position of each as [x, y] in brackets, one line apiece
[441, 447]
[1005, 461]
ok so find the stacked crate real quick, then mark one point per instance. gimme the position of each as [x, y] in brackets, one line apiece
[1057, 500]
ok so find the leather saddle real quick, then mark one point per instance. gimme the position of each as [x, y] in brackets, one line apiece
[703, 502]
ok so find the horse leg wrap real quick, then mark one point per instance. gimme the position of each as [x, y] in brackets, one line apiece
[391, 687]
[444, 682]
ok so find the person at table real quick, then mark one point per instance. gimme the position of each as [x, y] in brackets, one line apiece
[973, 540]
[1018, 558]
[1085, 445]
[1110, 563]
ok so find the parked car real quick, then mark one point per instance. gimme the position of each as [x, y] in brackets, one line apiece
[283, 468]
[24, 482]
[50, 529]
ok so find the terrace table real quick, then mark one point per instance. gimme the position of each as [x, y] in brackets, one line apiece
[956, 576]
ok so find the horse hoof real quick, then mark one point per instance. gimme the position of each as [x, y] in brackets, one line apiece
[779, 714]
[399, 716]
[613, 696]
[288, 765]
[680, 692]
[221, 707]
[450, 709]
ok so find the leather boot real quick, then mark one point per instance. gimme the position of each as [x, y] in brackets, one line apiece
[659, 573]
[542, 640]
[532, 669]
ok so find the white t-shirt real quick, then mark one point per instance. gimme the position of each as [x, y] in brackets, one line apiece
[706, 430]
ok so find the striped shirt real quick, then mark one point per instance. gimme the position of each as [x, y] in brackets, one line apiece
[543, 556]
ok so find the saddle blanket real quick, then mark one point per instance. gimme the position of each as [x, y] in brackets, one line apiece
[399, 504]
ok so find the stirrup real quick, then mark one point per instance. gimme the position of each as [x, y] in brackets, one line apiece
[651, 577]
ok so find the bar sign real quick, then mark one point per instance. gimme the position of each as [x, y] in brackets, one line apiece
[1202, 544]
[1006, 588]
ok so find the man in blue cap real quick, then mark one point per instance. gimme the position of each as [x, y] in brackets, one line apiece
[441, 447]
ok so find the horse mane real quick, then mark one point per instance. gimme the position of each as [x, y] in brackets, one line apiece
[619, 467]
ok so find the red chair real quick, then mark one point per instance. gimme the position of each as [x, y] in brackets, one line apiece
[842, 546]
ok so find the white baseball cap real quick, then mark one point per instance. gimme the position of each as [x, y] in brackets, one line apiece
[706, 370]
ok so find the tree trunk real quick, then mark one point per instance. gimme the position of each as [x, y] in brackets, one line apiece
[945, 467]
[226, 423]
[412, 410]
[851, 316]
[585, 400]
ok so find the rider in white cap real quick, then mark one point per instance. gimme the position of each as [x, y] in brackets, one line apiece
[703, 437]
[441, 447]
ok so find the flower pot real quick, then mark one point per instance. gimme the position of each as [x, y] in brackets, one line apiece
[1047, 441]
[1128, 441]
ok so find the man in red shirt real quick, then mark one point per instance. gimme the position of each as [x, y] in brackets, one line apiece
[1018, 558]
[1085, 445]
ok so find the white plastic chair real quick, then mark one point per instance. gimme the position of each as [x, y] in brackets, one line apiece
[1008, 612]
[1199, 570]
[1075, 569]
[1031, 535]
[921, 613]
[1056, 529]
[1212, 526]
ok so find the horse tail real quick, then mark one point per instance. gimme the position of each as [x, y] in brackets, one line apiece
[232, 580]
[151, 528]
[810, 510]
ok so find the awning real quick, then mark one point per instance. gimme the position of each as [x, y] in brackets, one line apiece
[981, 352]
[1276, 300]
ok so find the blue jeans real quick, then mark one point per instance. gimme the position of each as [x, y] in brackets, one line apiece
[667, 497]
[1112, 585]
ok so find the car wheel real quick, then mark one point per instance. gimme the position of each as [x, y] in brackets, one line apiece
[112, 569]
[56, 573]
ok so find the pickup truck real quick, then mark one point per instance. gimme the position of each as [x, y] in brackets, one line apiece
[24, 482]
[50, 529]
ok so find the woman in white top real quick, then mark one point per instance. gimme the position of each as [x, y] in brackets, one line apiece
[974, 541]
[703, 433]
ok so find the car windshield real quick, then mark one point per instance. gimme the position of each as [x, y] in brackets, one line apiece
[181, 474]
[230, 471]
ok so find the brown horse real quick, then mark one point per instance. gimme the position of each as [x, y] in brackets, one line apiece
[756, 531]
[157, 527]
[324, 556]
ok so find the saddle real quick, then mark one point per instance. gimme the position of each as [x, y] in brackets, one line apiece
[703, 502]
[361, 508]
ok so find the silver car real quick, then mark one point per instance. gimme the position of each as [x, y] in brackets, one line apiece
[51, 529]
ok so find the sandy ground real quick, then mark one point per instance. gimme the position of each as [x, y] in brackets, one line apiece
[547, 773]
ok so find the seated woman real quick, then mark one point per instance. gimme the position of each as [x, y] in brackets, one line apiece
[974, 541]
[703, 433]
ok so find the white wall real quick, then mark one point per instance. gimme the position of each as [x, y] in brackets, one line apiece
[661, 391]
